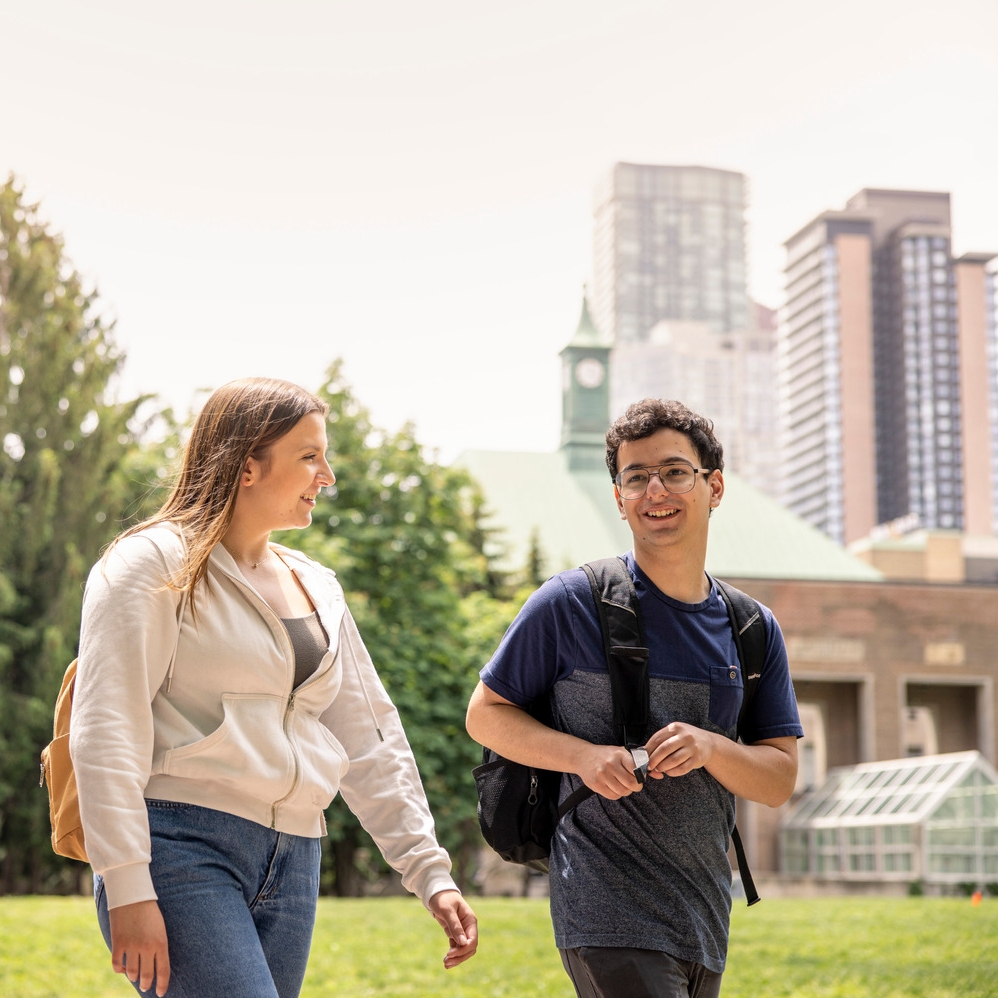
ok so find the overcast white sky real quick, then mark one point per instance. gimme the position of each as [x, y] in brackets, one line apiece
[261, 186]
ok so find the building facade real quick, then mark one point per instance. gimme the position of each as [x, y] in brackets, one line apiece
[669, 243]
[729, 377]
[886, 370]
[882, 670]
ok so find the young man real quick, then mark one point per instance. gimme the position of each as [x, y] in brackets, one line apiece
[640, 879]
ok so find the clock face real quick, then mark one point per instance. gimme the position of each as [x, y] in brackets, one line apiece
[589, 372]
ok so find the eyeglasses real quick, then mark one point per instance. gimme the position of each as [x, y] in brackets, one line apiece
[632, 483]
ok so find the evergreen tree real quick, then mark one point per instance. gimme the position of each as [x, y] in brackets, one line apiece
[67, 469]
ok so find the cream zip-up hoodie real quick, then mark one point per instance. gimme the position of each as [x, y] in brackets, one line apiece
[205, 714]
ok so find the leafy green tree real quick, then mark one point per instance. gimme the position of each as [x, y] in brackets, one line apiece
[405, 536]
[68, 470]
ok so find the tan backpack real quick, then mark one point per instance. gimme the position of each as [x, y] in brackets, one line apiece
[57, 765]
[59, 777]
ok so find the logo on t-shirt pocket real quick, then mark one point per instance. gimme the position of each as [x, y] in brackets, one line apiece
[725, 695]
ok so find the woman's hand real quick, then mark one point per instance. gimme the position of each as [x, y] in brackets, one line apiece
[138, 945]
[459, 922]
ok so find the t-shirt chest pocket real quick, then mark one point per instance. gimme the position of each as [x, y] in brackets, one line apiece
[725, 695]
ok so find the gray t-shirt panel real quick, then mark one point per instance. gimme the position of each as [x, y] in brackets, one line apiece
[650, 870]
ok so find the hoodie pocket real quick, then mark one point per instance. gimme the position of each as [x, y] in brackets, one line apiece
[725, 695]
[323, 759]
[249, 745]
[261, 748]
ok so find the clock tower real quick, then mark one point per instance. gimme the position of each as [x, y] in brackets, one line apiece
[585, 396]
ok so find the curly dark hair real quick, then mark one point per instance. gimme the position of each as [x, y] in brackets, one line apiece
[646, 417]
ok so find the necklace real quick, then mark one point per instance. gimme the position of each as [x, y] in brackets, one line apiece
[250, 564]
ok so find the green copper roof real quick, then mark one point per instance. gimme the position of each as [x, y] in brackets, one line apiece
[587, 335]
[754, 537]
[572, 513]
[575, 519]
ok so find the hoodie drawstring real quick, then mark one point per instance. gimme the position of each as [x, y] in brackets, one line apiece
[176, 646]
[363, 688]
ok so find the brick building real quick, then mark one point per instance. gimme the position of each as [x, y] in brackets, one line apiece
[882, 670]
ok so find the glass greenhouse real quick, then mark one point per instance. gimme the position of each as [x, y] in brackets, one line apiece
[929, 818]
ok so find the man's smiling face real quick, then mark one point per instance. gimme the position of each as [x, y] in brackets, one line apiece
[661, 518]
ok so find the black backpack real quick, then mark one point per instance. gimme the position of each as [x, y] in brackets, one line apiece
[518, 807]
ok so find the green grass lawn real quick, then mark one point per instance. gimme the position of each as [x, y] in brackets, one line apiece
[829, 948]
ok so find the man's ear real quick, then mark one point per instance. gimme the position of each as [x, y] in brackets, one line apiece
[716, 483]
[620, 503]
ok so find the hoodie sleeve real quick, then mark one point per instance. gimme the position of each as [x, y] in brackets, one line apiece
[127, 639]
[382, 786]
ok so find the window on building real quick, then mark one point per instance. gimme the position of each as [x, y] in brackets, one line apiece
[811, 749]
[918, 732]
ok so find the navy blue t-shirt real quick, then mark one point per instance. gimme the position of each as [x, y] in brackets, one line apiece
[650, 870]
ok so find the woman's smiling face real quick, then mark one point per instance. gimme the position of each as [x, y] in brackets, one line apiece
[280, 486]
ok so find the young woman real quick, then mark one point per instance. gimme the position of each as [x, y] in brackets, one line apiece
[223, 698]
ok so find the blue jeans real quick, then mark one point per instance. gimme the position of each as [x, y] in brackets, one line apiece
[238, 900]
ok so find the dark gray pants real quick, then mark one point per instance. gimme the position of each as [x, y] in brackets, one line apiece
[605, 972]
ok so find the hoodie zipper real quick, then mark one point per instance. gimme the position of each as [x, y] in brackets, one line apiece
[286, 725]
[289, 708]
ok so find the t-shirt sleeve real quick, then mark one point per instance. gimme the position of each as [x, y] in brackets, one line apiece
[773, 711]
[541, 644]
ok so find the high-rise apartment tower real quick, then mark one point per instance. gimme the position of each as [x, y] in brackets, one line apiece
[669, 243]
[886, 371]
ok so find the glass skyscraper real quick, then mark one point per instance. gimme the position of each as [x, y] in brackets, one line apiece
[884, 345]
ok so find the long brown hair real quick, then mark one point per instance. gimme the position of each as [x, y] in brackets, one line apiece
[240, 420]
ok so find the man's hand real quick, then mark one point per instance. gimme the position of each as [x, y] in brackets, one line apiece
[607, 769]
[459, 922]
[138, 945]
[677, 749]
[513, 733]
[763, 771]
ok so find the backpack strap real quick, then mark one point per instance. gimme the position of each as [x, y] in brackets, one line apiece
[626, 657]
[750, 643]
[624, 646]
[748, 884]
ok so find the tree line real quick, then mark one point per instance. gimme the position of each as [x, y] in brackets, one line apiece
[406, 536]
